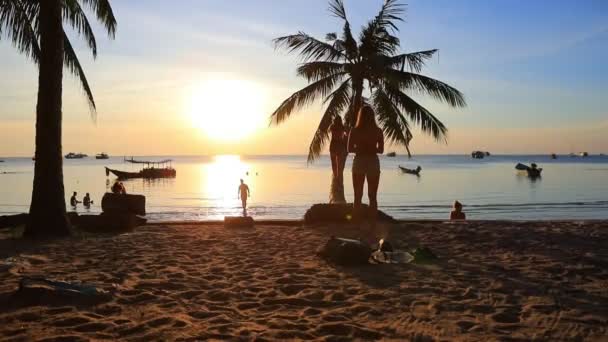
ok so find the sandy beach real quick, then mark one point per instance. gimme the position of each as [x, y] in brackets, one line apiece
[493, 281]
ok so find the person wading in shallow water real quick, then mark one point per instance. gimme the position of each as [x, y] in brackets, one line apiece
[73, 201]
[366, 141]
[243, 194]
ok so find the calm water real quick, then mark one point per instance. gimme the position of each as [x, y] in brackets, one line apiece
[285, 186]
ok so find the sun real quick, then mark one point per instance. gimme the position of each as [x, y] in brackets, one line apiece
[227, 109]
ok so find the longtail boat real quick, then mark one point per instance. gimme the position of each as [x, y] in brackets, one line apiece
[152, 169]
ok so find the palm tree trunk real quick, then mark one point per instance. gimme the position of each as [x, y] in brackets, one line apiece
[336, 192]
[358, 100]
[47, 210]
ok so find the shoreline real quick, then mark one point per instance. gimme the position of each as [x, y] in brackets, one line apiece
[301, 222]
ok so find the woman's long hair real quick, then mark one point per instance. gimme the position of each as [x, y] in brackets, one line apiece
[366, 119]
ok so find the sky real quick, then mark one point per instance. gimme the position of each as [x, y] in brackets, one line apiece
[533, 74]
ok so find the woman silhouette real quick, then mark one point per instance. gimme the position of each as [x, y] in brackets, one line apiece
[366, 140]
[337, 147]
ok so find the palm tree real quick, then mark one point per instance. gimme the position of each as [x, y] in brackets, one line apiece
[35, 28]
[340, 70]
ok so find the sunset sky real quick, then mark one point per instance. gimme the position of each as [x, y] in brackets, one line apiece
[533, 72]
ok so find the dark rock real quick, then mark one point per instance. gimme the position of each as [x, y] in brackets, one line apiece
[238, 221]
[109, 222]
[73, 217]
[13, 220]
[118, 203]
[340, 213]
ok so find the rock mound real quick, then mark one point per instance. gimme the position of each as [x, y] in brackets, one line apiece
[340, 213]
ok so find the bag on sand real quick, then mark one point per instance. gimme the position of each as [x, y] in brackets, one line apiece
[345, 252]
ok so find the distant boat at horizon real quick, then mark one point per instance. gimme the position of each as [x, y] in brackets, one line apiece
[102, 155]
[73, 155]
[391, 154]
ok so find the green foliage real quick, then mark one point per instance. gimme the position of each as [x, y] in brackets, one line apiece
[341, 69]
[20, 23]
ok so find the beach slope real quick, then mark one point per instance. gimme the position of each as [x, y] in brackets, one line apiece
[493, 280]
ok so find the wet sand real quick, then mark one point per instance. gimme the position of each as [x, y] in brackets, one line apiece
[493, 281]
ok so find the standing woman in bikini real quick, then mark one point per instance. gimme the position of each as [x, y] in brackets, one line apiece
[337, 147]
[366, 141]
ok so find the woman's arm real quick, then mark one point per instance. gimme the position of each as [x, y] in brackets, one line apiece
[351, 142]
[380, 143]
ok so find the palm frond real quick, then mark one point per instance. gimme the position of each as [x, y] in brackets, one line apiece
[347, 43]
[337, 101]
[330, 37]
[377, 41]
[308, 47]
[389, 14]
[305, 96]
[422, 117]
[415, 61]
[72, 63]
[350, 44]
[75, 16]
[336, 7]
[428, 86]
[105, 14]
[376, 37]
[314, 71]
[394, 125]
[16, 25]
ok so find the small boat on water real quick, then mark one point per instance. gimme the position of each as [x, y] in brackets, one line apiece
[553, 156]
[102, 155]
[391, 154]
[479, 154]
[533, 171]
[152, 169]
[583, 154]
[73, 155]
[415, 171]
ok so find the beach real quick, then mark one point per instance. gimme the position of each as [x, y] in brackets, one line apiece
[493, 280]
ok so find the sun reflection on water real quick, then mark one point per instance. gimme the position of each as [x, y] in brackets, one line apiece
[222, 180]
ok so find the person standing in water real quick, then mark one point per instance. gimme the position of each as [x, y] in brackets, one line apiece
[366, 141]
[337, 147]
[73, 201]
[243, 194]
[86, 201]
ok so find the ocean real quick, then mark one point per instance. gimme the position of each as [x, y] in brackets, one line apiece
[284, 187]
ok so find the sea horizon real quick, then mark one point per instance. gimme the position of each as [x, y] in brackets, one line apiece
[287, 185]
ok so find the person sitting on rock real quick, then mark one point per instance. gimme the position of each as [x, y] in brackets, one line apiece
[457, 213]
[118, 188]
